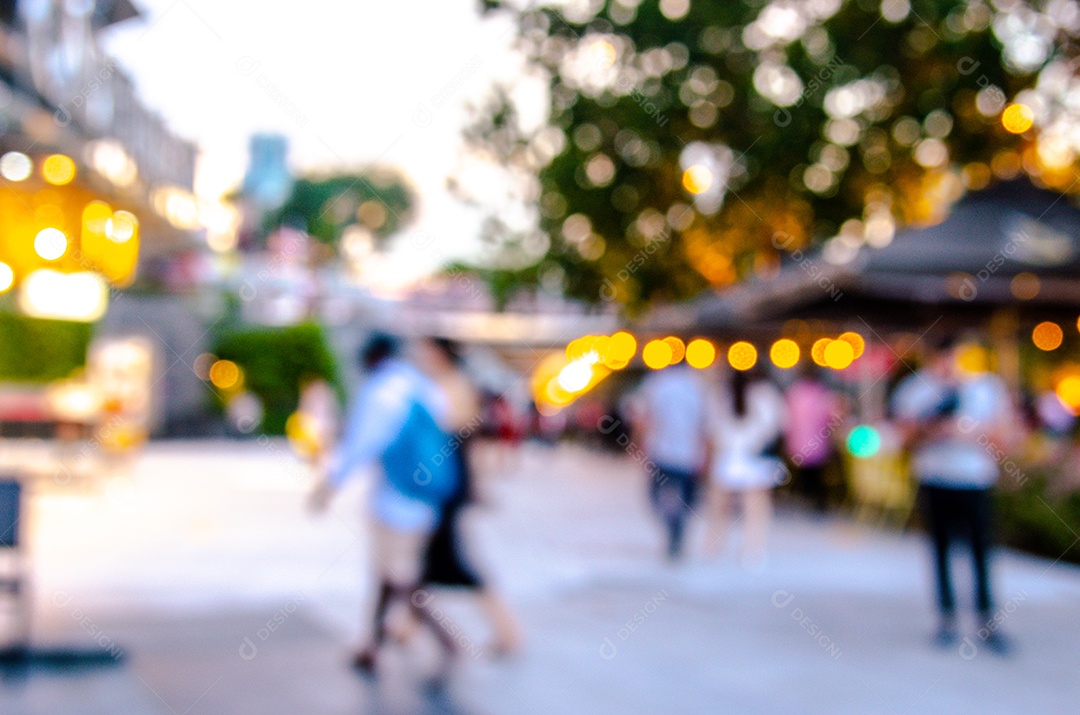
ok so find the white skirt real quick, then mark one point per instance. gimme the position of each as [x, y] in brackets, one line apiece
[742, 472]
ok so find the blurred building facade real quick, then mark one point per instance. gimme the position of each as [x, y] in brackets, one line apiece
[99, 191]
[62, 95]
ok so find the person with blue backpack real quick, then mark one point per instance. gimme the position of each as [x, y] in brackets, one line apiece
[394, 423]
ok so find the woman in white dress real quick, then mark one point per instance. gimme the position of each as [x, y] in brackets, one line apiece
[748, 417]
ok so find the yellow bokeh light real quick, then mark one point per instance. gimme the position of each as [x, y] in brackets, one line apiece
[858, 345]
[303, 433]
[742, 355]
[555, 394]
[697, 179]
[600, 349]
[122, 228]
[224, 374]
[110, 241]
[1068, 391]
[96, 216]
[1017, 118]
[973, 359]
[621, 347]
[58, 169]
[817, 351]
[576, 376]
[1047, 336]
[578, 348]
[838, 354]
[656, 354]
[678, 349]
[700, 353]
[7, 277]
[784, 353]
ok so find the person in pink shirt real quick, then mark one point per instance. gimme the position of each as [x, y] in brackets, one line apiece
[808, 436]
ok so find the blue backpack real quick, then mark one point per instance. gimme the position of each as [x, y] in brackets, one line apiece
[415, 463]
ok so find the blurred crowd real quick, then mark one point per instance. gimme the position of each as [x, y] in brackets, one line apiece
[717, 443]
[714, 444]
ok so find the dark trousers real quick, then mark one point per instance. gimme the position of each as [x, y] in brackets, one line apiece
[673, 493]
[964, 512]
[812, 481]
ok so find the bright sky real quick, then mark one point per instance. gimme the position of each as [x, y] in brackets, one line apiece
[348, 82]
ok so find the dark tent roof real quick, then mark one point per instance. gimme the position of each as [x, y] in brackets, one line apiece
[1014, 225]
[110, 12]
[966, 262]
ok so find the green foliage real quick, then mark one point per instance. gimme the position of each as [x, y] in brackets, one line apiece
[325, 207]
[276, 364]
[504, 283]
[663, 85]
[35, 350]
[1030, 519]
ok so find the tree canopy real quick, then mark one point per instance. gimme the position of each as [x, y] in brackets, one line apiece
[690, 143]
[378, 202]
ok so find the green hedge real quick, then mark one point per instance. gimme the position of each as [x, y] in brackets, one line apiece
[35, 350]
[276, 361]
[1031, 520]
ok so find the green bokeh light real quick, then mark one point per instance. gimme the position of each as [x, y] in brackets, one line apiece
[864, 441]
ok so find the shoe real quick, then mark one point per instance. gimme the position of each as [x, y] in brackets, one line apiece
[999, 644]
[14, 655]
[946, 636]
[365, 662]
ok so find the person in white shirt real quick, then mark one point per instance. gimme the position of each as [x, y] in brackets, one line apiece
[671, 423]
[403, 523]
[747, 419]
[958, 426]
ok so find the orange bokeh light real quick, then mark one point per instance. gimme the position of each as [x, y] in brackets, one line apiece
[1047, 336]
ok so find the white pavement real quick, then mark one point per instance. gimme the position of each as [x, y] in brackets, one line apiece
[225, 596]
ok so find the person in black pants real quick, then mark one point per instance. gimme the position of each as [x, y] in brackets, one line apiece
[963, 512]
[446, 564]
[673, 494]
[956, 423]
[446, 561]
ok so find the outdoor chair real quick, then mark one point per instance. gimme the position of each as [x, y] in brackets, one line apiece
[14, 605]
[881, 487]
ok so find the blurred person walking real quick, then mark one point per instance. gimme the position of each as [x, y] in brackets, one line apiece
[313, 427]
[747, 421]
[814, 415]
[509, 431]
[394, 421]
[445, 561]
[954, 422]
[672, 427]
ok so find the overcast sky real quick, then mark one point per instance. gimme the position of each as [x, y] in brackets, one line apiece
[347, 82]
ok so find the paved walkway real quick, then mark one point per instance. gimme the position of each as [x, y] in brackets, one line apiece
[202, 574]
